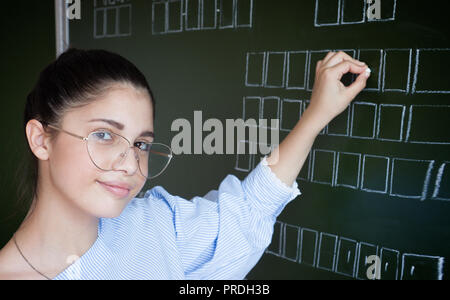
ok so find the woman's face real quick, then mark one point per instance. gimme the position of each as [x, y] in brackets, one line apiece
[122, 110]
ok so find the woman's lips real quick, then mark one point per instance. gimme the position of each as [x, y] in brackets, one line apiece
[118, 191]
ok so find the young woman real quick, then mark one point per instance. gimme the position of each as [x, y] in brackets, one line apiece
[89, 126]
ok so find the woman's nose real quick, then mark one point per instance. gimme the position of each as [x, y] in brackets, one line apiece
[128, 162]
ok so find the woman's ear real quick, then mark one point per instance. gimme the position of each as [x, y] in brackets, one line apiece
[38, 139]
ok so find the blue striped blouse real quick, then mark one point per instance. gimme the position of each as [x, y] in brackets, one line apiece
[161, 236]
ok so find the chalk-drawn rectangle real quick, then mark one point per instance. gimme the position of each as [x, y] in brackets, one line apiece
[340, 125]
[353, 11]
[275, 70]
[314, 57]
[159, 15]
[244, 156]
[175, 16]
[111, 21]
[275, 246]
[270, 110]
[387, 11]
[410, 178]
[348, 169]
[428, 124]
[327, 251]
[323, 164]
[291, 242]
[374, 59]
[255, 69]
[227, 12]
[305, 171]
[389, 264]
[99, 22]
[106, 3]
[244, 13]
[291, 111]
[193, 14]
[252, 108]
[430, 62]
[396, 70]
[327, 12]
[375, 174]
[363, 122]
[390, 122]
[346, 257]
[124, 20]
[209, 14]
[422, 267]
[297, 68]
[270, 107]
[308, 247]
[442, 184]
[364, 251]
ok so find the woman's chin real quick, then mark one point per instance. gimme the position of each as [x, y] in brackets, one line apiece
[108, 206]
[109, 211]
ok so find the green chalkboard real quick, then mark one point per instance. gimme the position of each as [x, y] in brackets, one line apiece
[377, 181]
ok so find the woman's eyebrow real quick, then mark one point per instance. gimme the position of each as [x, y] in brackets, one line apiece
[148, 133]
[120, 126]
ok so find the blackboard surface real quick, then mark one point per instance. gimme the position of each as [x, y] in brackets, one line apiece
[377, 181]
[25, 24]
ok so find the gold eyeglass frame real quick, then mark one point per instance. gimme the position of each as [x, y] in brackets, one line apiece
[86, 139]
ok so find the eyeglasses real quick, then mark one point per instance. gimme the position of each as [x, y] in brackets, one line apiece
[108, 150]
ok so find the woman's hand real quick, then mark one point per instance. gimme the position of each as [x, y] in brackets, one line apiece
[330, 96]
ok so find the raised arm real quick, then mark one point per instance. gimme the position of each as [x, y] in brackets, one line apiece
[329, 98]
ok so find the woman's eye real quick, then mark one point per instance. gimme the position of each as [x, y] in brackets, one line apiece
[143, 146]
[103, 135]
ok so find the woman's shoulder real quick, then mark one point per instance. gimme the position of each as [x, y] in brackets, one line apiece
[12, 266]
[154, 200]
